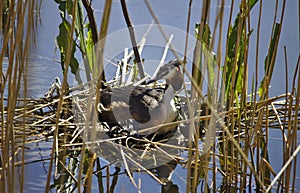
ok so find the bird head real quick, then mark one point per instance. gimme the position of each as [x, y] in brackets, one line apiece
[171, 72]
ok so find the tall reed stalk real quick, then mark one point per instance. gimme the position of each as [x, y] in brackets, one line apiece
[236, 160]
[17, 22]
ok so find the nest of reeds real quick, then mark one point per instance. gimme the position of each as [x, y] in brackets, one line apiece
[37, 120]
[77, 126]
[117, 144]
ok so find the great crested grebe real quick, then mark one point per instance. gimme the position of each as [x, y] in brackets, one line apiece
[136, 108]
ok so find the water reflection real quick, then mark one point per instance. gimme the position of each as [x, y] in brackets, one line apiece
[169, 188]
[107, 178]
[43, 70]
[164, 173]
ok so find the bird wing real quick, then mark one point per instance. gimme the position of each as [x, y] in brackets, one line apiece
[143, 101]
[129, 102]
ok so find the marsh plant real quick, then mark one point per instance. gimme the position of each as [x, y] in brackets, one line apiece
[222, 142]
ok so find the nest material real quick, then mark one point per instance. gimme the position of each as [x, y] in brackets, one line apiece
[36, 120]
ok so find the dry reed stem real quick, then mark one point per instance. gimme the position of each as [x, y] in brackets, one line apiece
[266, 113]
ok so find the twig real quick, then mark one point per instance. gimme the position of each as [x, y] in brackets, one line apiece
[92, 22]
[132, 38]
[141, 47]
[127, 168]
[279, 122]
[287, 163]
[163, 56]
[147, 171]
[124, 66]
[68, 171]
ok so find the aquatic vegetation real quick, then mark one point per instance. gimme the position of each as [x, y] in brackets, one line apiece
[222, 142]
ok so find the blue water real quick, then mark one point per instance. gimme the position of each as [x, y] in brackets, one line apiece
[44, 67]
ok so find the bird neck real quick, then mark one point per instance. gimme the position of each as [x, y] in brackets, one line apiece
[169, 102]
[169, 93]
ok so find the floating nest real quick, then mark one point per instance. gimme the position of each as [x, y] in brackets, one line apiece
[37, 120]
[118, 145]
